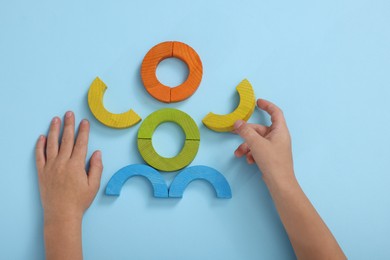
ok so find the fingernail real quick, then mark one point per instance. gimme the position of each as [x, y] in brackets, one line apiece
[55, 120]
[98, 154]
[238, 123]
[68, 114]
[257, 102]
[84, 122]
[40, 138]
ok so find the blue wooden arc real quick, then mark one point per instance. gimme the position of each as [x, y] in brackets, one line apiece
[200, 172]
[116, 182]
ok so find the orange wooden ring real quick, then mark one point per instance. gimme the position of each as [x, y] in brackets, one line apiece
[161, 52]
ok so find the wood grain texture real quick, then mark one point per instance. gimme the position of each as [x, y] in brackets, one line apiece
[184, 158]
[191, 144]
[187, 54]
[158, 117]
[225, 123]
[160, 188]
[163, 51]
[95, 103]
[148, 71]
[150, 62]
[200, 172]
[161, 93]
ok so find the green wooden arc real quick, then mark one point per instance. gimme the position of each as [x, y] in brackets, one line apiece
[191, 144]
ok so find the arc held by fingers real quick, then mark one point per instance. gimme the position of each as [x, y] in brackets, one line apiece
[225, 123]
[164, 51]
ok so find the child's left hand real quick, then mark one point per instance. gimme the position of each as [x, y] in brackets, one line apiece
[66, 188]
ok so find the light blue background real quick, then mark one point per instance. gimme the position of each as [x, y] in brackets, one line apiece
[326, 63]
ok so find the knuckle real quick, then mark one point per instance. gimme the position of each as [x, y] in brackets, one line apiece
[60, 162]
[277, 109]
[51, 145]
[74, 163]
[66, 139]
[97, 165]
[40, 160]
[247, 131]
[81, 143]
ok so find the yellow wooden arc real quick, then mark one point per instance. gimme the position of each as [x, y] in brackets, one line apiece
[225, 123]
[95, 102]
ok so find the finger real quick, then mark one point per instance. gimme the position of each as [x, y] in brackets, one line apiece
[261, 129]
[241, 150]
[95, 170]
[40, 157]
[249, 134]
[249, 158]
[81, 146]
[52, 139]
[277, 117]
[67, 142]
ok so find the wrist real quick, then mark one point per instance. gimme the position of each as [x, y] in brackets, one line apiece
[281, 181]
[62, 218]
[62, 234]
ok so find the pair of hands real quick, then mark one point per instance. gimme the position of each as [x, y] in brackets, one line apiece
[67, 190]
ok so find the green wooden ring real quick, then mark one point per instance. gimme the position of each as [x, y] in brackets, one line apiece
[191, 144]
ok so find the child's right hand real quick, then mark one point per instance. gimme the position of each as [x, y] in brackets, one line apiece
[268, 146]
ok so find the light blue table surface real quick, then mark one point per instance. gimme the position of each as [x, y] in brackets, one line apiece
[325, 63]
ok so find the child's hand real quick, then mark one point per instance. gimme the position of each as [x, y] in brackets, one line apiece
[269, 147]
[66, 189]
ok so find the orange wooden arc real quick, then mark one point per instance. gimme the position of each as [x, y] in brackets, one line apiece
[161, 52]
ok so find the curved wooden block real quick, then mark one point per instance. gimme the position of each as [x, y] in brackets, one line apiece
[163, 51]
[150, 62]
[95, 102]
[116, 182]
[200, 172]
[161, 93]
[191, 144]
[173, 115]
[225, 123]
[184, 158]
[191, 58]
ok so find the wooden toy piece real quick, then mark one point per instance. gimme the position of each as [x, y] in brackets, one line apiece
[158, 117]
[150, 62]
[184, 158]
[225, 123]
[148, 71]
[200, 172]
[116, 182]
[191, 144]
[191, 58]
[161, 93]
[95, 102]
[163, 51]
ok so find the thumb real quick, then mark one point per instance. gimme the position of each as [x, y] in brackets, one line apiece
[249, 134]
[95, 170]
